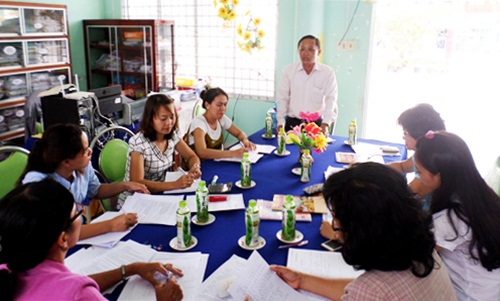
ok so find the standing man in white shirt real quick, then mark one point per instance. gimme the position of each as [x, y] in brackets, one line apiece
[307, 86]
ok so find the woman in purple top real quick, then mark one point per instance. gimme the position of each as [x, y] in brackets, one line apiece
[39, 222]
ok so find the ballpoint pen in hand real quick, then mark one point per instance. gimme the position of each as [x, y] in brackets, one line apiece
[297, 244]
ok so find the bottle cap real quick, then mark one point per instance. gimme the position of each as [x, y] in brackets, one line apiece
[182, 204]
[252, 203]
[289, 198]
[245, 155]
[202, 183]
[307, 151]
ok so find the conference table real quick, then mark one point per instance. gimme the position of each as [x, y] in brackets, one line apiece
[273, 175]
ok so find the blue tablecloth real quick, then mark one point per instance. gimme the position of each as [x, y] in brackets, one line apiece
[272, 175]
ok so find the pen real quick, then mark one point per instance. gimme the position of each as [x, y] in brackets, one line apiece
[214, 180]
[182, 170]
[297, 244]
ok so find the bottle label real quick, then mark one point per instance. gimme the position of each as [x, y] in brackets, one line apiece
[269, 127]
[305, 172]
[252, 229]
[288, 224]
[281, 144]
[352, 134]
[202, 206]
[246, 180]
[184, 231]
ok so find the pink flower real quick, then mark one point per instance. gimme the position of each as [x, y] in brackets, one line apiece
[309, 117]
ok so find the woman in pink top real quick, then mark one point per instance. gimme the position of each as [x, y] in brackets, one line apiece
[39, 222]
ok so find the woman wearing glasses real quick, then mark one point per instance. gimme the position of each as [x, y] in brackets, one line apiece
[38, 224]
[385, 232]
[63, 154]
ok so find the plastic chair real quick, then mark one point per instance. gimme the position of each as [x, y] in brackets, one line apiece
[109, 153]
[493, 176]
[12, 167]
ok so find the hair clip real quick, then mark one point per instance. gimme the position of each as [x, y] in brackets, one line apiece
[429, 135]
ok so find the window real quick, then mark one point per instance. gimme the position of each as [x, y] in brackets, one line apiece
[206, 45]
[445, 53]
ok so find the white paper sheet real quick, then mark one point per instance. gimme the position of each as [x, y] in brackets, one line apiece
[214, 288]
[330, 170]
[153, 209]
[260, 148]
[173, 176]
[123, 253]
[320, 263]
[253, 156]
[109, 239]
[234, 202]
[193, 266]
[367, 150]
[260, 283]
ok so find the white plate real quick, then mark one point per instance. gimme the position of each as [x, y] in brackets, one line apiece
[330, 140]
[211, 219]
[265, 137]
[173, 244]
[346, 142]
[296, 171]
[286, 153]
[238, 184]
[298, 237]
[243, 245]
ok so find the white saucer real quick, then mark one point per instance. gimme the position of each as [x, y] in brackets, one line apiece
[286, 153]
[297, 171]
[173, 244]
[330, 140]
[298, 237]
[265, 137]
[211, 219]
[238, 184]
[346, 142]
[243, 245]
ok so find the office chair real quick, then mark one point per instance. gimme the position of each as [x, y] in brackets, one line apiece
[12, 167]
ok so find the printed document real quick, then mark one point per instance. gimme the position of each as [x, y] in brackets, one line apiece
[109, 239]
[234, 202]
[153, 209]
[174, 176]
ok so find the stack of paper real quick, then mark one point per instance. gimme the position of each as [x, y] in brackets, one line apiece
[153, 209]
[305, 204]
[234, 202]
[106, 240]
[174, 176]
[91, 261]
[267, 213]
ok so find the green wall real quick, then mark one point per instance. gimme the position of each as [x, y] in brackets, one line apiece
[326, 19]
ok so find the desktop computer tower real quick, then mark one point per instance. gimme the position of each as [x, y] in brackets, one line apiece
[75, 108]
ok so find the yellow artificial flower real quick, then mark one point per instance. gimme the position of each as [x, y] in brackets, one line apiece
[247, 48]
[246, 35]
[294, 139]
[236, 2]
[224, 2]
[215, 3]
[320, 143]
[231, 16]
[256, 21]
[239, 30]
[260, 33]
[223, 12]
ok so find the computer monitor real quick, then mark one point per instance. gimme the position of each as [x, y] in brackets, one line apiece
[57, 109]
[110, 100]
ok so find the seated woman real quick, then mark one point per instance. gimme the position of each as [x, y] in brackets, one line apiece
[63, 154]
[151, 150]
[205, 132]
[466, 214]
[38, 224]
[384, 231]
[416, 122]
